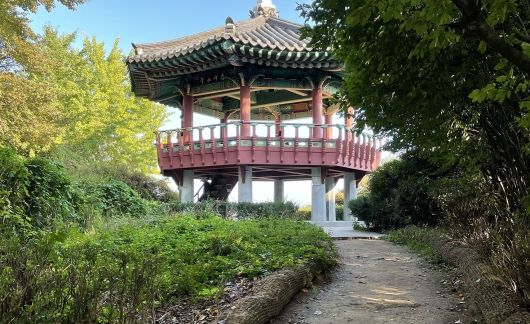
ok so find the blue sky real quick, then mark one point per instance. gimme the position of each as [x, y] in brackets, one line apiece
[144, 21]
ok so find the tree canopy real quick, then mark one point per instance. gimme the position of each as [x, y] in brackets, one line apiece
[448, 78]
[58, 99]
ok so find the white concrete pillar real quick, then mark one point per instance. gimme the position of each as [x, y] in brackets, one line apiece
[186, 190]
[350, 193]
[330, 199]
[318, 196]
[278, 190]
[245, 184]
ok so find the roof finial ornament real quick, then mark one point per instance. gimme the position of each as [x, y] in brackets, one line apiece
[264, 8]
[230, 27]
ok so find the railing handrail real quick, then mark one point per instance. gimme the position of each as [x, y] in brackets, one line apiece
[252, 123]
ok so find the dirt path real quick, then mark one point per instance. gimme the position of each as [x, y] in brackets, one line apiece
[376, 282]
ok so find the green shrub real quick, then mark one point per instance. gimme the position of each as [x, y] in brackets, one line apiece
[265, 210]
[35, 193]
[339, 198]
[286, 210]
[116, 198]
[14, 179]
[304, 213]
[399, 195]
[121, 274]
[148, 186]
[339, 212]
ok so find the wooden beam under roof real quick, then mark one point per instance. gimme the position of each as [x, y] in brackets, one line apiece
[297, 92]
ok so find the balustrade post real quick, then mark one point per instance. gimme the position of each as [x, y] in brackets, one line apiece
[348, 121]
[329, 130]
[268, 142]
[224, 128]
[169, 148]
[213, 144]
[278, 126]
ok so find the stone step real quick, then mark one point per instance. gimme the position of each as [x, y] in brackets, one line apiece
[334, 224]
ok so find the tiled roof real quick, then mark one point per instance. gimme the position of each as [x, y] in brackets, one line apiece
[262, 32]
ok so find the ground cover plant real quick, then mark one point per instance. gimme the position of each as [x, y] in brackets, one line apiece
[124, 272]
[414, 238]
[96, 251]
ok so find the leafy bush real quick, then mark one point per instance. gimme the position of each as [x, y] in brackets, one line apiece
[339, 198]
[149, 187]
[286, 210]
[122, 274]
[339, 212]
[304, 213]
[399, 195]
[34, 192]
[117, 198]
[264, 210]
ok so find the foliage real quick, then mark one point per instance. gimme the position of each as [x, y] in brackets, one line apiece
[122, 274]
[419, 74]
[34, 192]
[414, 238]
[93, 115]
[339, 197]
[117, 198]
[17, 47]
[149, 187]
[30, 119]
[450, 79]
[339, 212]
[399, 195]
[104, 121]
[265, 210]
[304, 212]
[286, 210]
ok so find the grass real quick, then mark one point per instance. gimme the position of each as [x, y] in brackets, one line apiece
[125, 271]
[414, 238]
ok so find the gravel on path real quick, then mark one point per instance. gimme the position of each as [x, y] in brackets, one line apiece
[376, 282]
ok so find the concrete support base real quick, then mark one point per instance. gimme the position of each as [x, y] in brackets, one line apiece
[350, 193]
[186, 190]
[318, 196]
[245, 184]
[278, 191]
[331, 214]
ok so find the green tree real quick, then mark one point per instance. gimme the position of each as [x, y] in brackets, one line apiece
[29, 118]
[104, 121]
[420, 72]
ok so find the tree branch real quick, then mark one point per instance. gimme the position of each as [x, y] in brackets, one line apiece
[477, 25]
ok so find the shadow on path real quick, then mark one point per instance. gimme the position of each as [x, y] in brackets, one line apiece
[376, 282]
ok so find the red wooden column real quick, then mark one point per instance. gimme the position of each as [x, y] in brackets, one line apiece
[187, 118]
[329, 130]
[224, 130]
[317, 112]
[244, 97]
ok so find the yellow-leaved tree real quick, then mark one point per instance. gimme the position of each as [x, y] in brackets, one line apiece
[103, 120]
[29, 117]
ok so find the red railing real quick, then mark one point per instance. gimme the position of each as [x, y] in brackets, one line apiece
[288, 144]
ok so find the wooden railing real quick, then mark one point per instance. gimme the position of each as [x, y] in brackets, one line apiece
[267, 143]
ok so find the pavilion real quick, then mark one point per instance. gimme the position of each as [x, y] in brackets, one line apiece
[256, 76]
